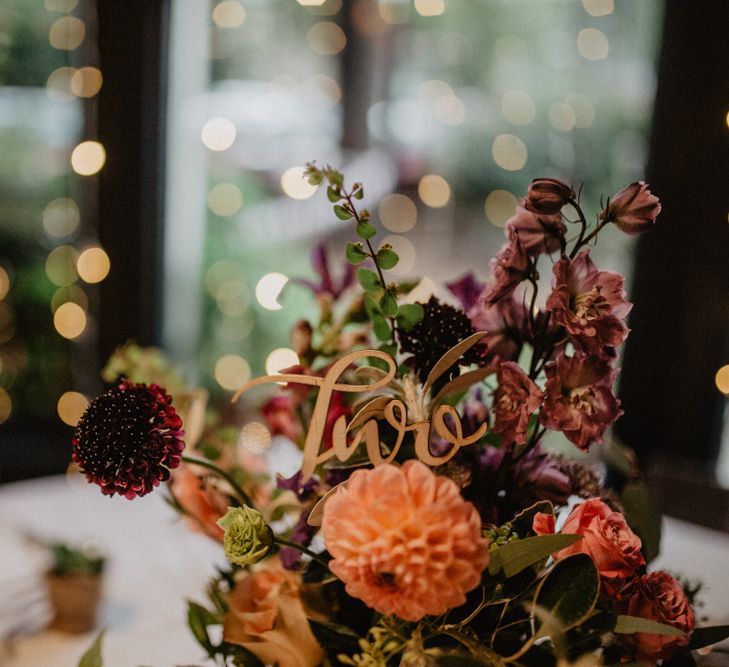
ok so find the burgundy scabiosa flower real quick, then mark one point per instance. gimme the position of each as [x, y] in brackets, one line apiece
[579, 400]
[590, 304]
[128, 439]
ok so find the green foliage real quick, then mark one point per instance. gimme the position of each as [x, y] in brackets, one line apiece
[355, 253]
[627, 625]
[702, 637]
[369, 280]
[518, 555]
[409, 314]
[335, 638]
[388, 304]
[342, 213]
[71, 560]
[381, 327]
[92, 657]
[365, 230]
[387, 258]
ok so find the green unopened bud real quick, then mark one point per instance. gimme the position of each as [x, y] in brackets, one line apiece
[248, 538]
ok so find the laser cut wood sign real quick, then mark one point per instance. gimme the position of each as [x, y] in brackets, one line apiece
[364, 425]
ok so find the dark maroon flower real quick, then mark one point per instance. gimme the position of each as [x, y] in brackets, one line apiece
[548, 195]
[508, 269]
[515, 401]
[578, 398]
[467, 289]
[589, 304]
[634, 209]
[128, 439]
[538, 232]
[506, 327]
[280, 415]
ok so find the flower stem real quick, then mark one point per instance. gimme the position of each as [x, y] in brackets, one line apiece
[283, 542]
[242, 496]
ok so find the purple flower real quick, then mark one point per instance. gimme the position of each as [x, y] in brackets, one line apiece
[508, 269]
[505, 324]
[467, 289]
[327, 284]
[538, 232]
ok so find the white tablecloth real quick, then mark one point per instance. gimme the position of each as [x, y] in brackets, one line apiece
[155, 564]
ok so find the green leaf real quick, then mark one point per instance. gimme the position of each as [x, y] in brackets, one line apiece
[315, 177]
[92, 657]
[642, 516]
[333, 194]
[198, 618]
[522, 522]
[569, 591]
[341, 212]
[369, 280]
[387, 258]
[365, 230]
[388, 348]
[627, 625]
[381, 327]
[517, 556]
[355, 253]
[701, 637]
[335, 638]
[358, 191]
[410, 314]
[371, 307]
[388, 304]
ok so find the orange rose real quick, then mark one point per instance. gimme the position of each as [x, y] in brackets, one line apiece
[267, 617]
[202, 503]
[607, 539]
[659, 597]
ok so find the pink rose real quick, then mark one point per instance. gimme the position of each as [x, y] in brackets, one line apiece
[607, 539]
[588, 303]
[579, 400]
[538, 232]
[548, 195]
[634, 209]
[508, 269]
[515, 401]
[268, 618]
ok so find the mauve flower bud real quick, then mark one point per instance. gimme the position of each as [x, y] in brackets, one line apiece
[301, 338]
[548, 195]
[248, 538]
[634, 209]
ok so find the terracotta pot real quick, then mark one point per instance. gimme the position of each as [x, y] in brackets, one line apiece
[75, 600]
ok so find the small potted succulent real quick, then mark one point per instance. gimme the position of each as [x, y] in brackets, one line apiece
[74, 583]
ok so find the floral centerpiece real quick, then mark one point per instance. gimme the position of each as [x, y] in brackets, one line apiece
[428, 523]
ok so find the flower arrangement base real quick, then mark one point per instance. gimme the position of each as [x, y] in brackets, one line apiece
[75, 601]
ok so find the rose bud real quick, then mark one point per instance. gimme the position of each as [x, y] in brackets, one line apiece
[548, 195]
[248, 538]
[634, 209]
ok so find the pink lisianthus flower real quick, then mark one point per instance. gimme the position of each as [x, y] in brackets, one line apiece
[404, 541]
[659, 597]
[505, 325]
[588, 303]
[634, 209]
[538, 232]
[606, 538]
[515, 400]
[508, 269]
[548, 195]
[579, 400]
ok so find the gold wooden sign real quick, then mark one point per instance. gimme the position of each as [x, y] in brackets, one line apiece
[364, 427]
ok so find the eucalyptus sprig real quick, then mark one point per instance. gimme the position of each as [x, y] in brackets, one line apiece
[380, 296]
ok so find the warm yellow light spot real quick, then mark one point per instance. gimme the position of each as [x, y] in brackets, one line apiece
[61, 265]
[234, 328]
[722, 379]
[63, 6]
[598, 7]
[727, 118]
[393, 11]
[430, 7]
[500, 206]
[434, 190]
[71, 407]
[329, 87]
[592, 44]
[583, 108]
[449, 110]
[232, 371]
[255, 437]
[432, 90]
[61, 217]
[326, 38]
[229, 14]
[311, 3]
[295, 185]
[509, 152]
[405, 251]
[218, 134]
[222, 271]
[280, 359]
[562, 117]
[70, 320]
[7, 323]
[88, 158]
[269, 289]
[58, 85]
[518, 107]
[86, 82]
[70, 293]
[93, 265]
[6, 405]
[398, 213]
[4, 283]
[225, 199]
[67, 33]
